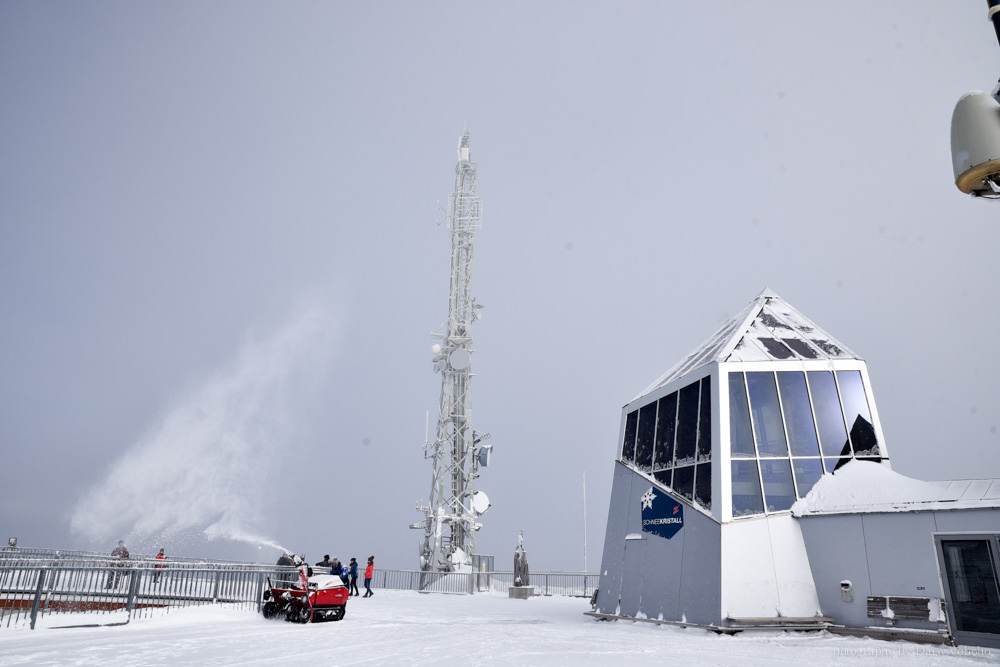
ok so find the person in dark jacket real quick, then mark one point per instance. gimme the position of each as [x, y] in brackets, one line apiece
[285, 560]
[325, 562]
[118, 554]
[352, 571]
[338, 569]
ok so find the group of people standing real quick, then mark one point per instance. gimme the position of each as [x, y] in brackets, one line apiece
[119, 555]
[349, 573]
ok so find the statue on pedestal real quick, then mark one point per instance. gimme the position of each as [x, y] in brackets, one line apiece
[521, 574]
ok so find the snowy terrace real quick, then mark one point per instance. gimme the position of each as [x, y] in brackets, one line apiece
[407, 628]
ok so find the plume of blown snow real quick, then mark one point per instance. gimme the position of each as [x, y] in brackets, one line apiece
[203, 466]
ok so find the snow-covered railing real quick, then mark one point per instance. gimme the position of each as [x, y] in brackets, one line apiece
[580, 584]
[575, 584]
[76, 591]
[20, 553]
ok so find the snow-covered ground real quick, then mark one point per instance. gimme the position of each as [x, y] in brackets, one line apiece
[408, 628]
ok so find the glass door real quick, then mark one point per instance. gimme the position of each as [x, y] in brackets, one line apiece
[971, 575]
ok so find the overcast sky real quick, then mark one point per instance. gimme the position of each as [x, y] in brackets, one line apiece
[220, 268]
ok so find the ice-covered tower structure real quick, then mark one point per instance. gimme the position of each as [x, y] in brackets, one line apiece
[457, 452]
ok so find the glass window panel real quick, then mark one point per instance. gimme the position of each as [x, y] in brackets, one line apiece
[807, 473]
[644, 437]
[705, 421]
[746, 488]
[779, 492]
[776, 349]
[972, 581]
[687, 425]
[801, 347]
[703, 485]
[798, 415]
[663, 477]
[740, 434]
[766, 411]
[859, 417]
[833, 465]
[684, 481]
[628, 441]
[829, 419]
[663, 454]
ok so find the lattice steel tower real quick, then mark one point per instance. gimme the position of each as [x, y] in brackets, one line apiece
[449, 525]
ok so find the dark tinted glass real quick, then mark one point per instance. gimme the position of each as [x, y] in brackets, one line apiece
[703, 485]
[628, 441]
[829, 419]
[644, 437]
[798, 415]
[833, 465]
[767, 425]
[687, 425]
[746, 489]
[859, 417]
[663, 454]
[779, 493]
[807, 473]
[740, 434]
[972, 581]
[705, 421]
[776, 349]
[801, 347]
[684, 481]
[663, 477]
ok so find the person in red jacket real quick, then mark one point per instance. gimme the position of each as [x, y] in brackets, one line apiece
[159, 566]
[368, 577]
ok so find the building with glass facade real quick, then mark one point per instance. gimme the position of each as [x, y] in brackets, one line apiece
[711, 520]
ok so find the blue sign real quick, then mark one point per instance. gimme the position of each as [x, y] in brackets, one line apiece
[661, 514]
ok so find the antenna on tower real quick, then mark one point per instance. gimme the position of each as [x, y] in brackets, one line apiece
[457, 452]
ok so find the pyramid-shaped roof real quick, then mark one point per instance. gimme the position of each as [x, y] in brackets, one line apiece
[768, 329]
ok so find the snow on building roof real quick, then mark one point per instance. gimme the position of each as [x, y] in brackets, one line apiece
[864, 486]
[768, 329]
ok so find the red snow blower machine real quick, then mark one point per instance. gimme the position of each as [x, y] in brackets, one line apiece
[321, 597]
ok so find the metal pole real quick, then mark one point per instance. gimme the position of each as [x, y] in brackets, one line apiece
[584, 520]
[38, 596]
[132, 590]
[215, 587]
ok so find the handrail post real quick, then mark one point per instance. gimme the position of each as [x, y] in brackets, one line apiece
[215, 588]
[38, 596]
[133, 589]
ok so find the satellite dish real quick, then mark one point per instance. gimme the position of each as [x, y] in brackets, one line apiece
[480, 502]
[460, 359]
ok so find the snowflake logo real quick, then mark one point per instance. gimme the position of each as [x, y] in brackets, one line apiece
[647, 499]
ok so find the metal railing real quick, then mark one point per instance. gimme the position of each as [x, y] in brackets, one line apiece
[575, 584]
[65, 592]
[578, 584]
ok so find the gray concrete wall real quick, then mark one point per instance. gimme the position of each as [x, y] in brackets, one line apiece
[613, 560]
[959, 521]
[890, 553]
[653, 577]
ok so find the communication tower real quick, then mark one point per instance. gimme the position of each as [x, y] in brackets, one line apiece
[457, 452]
